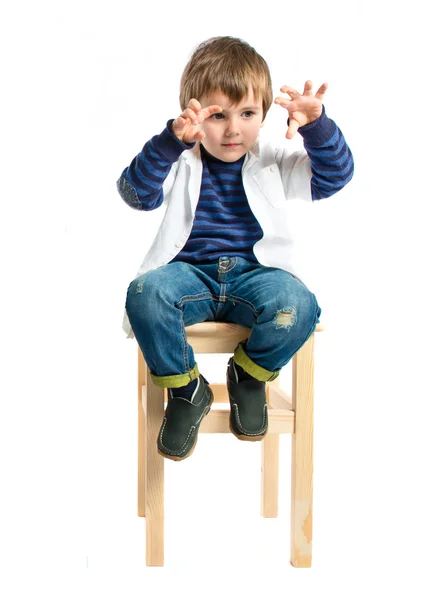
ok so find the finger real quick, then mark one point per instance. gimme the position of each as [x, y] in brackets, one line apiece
[284, 102]
[208, 111]
[193, 135]
[307, 88]
[190, 114]
[198, 135]
[291, 91]
[179, 123]
[321, 91]
[292, 129]
[195, 105]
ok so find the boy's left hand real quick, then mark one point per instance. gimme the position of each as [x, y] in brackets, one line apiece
[303, 108]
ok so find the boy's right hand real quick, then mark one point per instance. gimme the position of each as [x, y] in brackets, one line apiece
[187, 126]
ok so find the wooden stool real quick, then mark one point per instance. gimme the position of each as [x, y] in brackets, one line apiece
[287, 414]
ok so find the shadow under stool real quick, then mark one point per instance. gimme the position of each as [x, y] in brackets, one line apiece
[292, 414]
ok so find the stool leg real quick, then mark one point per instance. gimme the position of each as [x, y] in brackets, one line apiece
[269, 475]
[302, 445]
[141, 436]
[154, 491]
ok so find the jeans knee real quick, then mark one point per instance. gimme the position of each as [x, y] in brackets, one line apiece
[135, 287]
[285, 317]
[300, 314]
[141, 294]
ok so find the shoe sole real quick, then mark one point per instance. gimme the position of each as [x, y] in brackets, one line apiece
[246, 438]
[190, 452]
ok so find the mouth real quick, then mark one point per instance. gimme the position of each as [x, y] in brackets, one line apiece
[231, 145]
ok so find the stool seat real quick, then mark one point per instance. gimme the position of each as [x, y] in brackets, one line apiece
[217, 337]
[287, 413]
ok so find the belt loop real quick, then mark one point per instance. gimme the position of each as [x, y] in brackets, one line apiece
[223, 263]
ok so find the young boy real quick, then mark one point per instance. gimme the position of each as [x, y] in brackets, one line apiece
[224, 250]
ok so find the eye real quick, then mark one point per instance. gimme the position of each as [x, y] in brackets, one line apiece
[248, 113]
[218, 116]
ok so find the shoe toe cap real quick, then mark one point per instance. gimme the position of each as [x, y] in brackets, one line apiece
[248, 419]
[175, 442]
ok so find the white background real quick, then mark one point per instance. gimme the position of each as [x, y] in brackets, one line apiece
[85, 85]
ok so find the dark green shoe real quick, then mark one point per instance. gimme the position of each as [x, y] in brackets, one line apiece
[179, 432]
[248, 406]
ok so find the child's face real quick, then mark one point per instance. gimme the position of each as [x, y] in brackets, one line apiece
[231, 133]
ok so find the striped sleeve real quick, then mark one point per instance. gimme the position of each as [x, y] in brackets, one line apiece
[140, 184]
[331, 159]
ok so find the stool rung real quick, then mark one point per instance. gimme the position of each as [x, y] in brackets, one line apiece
[278, 398]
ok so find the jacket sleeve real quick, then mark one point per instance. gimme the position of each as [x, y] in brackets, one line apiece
[141, 183]
[331, 160]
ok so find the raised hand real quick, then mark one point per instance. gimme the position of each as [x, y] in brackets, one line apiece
[303, 108]
[187, 126]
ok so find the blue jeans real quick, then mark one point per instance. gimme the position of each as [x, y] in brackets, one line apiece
[279, 308]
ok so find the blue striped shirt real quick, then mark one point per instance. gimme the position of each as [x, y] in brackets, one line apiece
[224, 224]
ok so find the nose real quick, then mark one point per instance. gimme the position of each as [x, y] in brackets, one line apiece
[231, 128]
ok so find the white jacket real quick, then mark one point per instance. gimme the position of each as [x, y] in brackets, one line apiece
[271, 177]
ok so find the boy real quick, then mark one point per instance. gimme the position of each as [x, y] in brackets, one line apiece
[224, 250]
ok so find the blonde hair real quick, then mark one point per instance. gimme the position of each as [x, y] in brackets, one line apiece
[229, 65]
